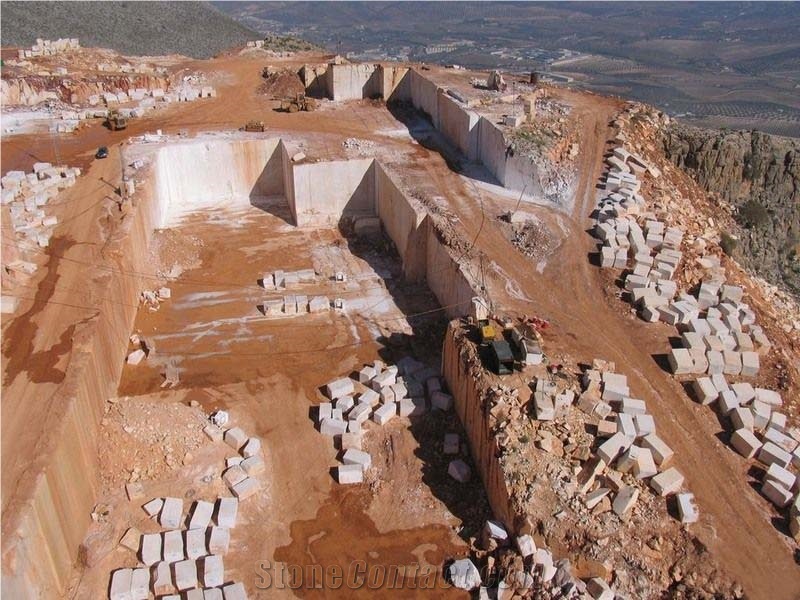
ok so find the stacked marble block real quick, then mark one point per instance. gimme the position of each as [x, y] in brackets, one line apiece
[26, 195]
[630, 443]
[622, 184]
[181, 563]
[379, 393]
[242, 470]
[294, 304]
[760, 431]
[724, 340]
[652, 252]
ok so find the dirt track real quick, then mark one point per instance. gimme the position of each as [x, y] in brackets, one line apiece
[736, 521]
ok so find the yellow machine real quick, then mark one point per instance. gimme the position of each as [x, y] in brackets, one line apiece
[488, 332]
[254, 126]
[300, 102]
[115, 121]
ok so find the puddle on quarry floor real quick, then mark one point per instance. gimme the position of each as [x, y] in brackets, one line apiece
[342, 545]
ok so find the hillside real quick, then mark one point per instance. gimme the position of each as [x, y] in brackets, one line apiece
[760, 176]
[193, 29]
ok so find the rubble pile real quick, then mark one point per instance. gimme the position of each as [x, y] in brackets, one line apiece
[379, 393]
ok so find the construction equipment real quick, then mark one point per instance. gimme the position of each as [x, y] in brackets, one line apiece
[253, 126]
[298, 103]
[115, 121]
[487, 331]
[501, 358]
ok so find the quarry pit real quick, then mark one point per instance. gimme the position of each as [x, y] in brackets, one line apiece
[369, 230]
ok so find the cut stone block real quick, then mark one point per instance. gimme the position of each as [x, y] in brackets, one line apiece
[594, 498]
[732, 362]
[687, 508]
[370, 397]
[633, 406]
[120, 588]
[613, 447]
[727, 402]
[544, 406]
[347, 474]
[662, 454]
[185, 575]
[441, 401]
[245, 489]
[776, 493]
[526, 545]
[782, 476]
[768, 397]
[171, 513]
[761, 414]
[213, 594]
[153, 507]
[680, 361]
[351, 440]
[605, 429]
[253, 466]
[227, 511]
[173, 546]
[150, 552]
[344, 404]
[741, 418]
[745, 442]
[459, 470]
[744, 392]
[668, 482]
[780, 439]
[366, 374]
[357, 457]
[626, 425]
[383, 379]
[496, 531]
[252, 447]
[212, 570]
[406, 407]
[598, 589]
[772, 454]
[645, 425]
[333, 427]
[219, 540]
[716, 362]
[162, 584]
[234, 591]
[339, 388]
[195, 543]
[201, 515]
[360, 413]
[131, 539]
[234, 475]
[235, 438]
[777, 421]
[750, 364]
[704, 390]
[385, 413]
[625, 499]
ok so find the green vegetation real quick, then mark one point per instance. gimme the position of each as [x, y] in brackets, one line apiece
[753, 214]
[728, 243]
[288, 43]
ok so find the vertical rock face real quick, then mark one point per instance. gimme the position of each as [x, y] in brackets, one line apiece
[759, 175]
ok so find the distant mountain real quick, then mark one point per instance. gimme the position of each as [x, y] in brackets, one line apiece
[195, 29]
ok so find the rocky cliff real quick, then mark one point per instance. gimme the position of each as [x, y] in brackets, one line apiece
[759, 176]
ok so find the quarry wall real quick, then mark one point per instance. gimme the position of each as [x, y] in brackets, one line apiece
[324, 192]
[477, 137]
[189, 177]
[464, 381]
[42, 539]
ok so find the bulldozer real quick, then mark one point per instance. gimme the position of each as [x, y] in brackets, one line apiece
[298, 103]
[115, 121]
[253, 126]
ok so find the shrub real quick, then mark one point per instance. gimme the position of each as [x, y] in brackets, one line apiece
[728, 243]
[753, 214]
